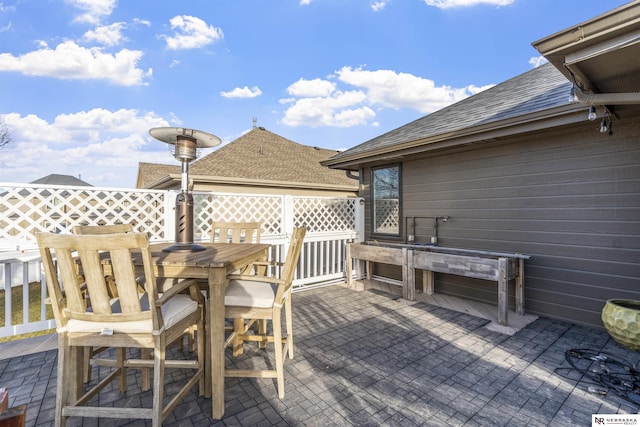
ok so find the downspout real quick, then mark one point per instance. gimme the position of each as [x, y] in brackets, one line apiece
[352, 175]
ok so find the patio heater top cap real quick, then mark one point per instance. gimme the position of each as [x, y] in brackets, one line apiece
[185, 140]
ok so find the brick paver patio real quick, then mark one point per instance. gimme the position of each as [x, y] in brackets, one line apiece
[369, 358]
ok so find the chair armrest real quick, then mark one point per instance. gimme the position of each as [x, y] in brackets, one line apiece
[178, 288]
[264, 267]
[268, 263]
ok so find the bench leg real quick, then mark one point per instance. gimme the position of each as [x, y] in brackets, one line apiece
[503, 286]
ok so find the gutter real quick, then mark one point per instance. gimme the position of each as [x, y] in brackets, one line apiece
[222, 180]
[629, 98]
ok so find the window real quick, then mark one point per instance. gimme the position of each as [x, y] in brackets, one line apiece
[386, 200]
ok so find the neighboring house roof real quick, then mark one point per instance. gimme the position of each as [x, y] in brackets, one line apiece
[148, 173]
[260, 157]
[539, 90]
[56, 179]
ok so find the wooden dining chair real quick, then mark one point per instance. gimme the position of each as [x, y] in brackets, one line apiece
[91, 352]
[251, 298]
[235, 232]
[229, 232]
[144, 320]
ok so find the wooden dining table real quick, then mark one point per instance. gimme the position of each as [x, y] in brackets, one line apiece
[212, 264]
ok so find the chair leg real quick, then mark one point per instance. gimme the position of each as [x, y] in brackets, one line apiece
[62, 384]
[122, 378]
[238, 341]
[158, 381]
[289, 325]
[277, 343]
[145, 353]
[191, 339]
[201, 356]
[88, 351]
[262, 330]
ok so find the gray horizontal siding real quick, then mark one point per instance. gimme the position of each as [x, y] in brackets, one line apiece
[570, 199]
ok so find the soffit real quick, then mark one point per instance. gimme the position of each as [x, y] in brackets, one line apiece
[602, 54]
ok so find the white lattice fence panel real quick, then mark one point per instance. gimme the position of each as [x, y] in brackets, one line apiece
[27, 209]
[237, 208]
[324, 214]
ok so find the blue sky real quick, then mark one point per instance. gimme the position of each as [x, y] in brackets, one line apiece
[82, 81]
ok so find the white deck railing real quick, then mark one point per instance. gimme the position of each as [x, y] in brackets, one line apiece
[27, 208]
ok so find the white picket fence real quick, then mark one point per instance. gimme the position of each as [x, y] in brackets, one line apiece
[27, 208]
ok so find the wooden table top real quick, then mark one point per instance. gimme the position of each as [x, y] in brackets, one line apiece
[215, 254]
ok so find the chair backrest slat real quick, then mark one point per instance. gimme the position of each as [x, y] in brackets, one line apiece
[235, 232]
[124, 274]
[95, 280]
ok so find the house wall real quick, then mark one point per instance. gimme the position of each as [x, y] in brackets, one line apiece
[569, 198]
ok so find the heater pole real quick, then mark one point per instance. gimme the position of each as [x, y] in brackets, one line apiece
[186, 142]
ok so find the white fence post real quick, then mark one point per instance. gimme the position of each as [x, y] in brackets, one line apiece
[359, 219]
[7, 295]
[288, 221]
[170, 215]
[288, 215]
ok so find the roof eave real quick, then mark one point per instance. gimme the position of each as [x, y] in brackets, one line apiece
[165, 182]
[594, 36]
[489, 132]
[208, 179]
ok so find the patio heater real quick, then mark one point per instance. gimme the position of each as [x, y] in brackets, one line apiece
[185, 143]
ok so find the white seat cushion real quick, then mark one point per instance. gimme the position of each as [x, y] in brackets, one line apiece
[174, 310]
[247, 293]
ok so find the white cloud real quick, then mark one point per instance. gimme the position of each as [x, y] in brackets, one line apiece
[305, 2]
[70, 61]
[310, 88]
[339, 109]
[106, 35]
[320, 102]
[243, 92]
[92, 143]
[448, 4]
[4, 8]
[93, 10]
[191, 33]
[537, 61]
[377, 6]
[142, 22]
[401, 90]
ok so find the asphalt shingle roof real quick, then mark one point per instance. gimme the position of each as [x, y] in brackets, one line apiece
[539, 89]
[264, 156]
[148, 173]
[258, 155]
[57, 179]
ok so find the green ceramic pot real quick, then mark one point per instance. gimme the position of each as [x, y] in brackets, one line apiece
[621, 318]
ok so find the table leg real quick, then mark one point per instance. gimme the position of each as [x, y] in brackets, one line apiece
[217, 288]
